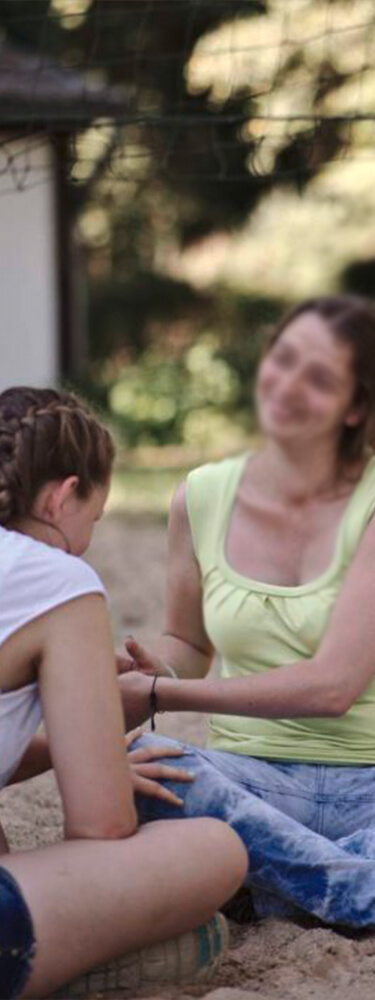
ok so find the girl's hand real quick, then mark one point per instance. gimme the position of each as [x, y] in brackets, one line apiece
[138, 658]
[145, 769]
[124, 664]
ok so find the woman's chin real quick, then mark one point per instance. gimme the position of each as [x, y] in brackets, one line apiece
[279, 429]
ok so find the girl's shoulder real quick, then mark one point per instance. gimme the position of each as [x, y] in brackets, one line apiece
[21, 555]
[36, 578]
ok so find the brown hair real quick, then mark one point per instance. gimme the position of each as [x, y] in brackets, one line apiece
[352, 320]
[47, 435]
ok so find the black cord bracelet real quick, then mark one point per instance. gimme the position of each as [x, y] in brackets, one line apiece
[153, 702]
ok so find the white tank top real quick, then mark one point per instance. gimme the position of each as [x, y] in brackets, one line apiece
[34, 578]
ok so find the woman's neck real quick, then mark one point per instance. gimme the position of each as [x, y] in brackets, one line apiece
[299, 476]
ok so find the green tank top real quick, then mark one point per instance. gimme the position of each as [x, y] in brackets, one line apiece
[257, 627]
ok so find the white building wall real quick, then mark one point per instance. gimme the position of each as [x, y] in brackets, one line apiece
[28, 288]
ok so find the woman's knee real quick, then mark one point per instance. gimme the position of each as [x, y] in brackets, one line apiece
[156, 740]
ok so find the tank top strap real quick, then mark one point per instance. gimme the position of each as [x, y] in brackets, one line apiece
[210, 490]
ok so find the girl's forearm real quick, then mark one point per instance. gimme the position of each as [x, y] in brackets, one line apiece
[299, 689]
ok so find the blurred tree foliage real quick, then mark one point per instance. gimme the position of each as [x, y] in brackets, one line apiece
[230, 102]
[157, 399]
[133, 311]
[145, 47]
[180, 387]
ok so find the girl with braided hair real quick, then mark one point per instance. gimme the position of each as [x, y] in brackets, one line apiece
[104, 891]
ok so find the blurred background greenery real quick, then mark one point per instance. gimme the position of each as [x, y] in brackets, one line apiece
[242, 181]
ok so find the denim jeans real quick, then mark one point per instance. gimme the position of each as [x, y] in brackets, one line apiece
[309, 829]
[17, 943]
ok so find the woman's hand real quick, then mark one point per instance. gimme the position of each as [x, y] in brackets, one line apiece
[145, 769]
[139, 658]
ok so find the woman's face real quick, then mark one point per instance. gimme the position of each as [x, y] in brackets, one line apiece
[305, 384]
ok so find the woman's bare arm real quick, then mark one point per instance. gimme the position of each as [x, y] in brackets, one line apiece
[84, 720]
[326, 685]
[184, 644]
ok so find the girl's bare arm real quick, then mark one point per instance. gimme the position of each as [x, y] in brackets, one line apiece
[84, 720]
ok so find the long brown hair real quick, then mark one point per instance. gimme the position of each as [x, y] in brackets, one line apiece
[352, 320]
[47, 435]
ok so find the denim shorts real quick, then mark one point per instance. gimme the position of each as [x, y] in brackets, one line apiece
[17, 941]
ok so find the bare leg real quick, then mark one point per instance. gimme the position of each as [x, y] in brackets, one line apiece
[96, 900]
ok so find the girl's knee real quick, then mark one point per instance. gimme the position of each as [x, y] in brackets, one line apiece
[224, 849]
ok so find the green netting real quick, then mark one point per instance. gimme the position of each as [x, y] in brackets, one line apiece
[242, 94]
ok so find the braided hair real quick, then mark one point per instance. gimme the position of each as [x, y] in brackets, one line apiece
[46, 435]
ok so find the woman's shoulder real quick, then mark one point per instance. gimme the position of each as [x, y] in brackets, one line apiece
[212, 474]
[359, 512]
[361, 508]
[207, 490]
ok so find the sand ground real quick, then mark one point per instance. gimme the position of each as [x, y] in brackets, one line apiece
[273, 960]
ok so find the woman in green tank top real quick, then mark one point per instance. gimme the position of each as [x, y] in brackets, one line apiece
[272, 566]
